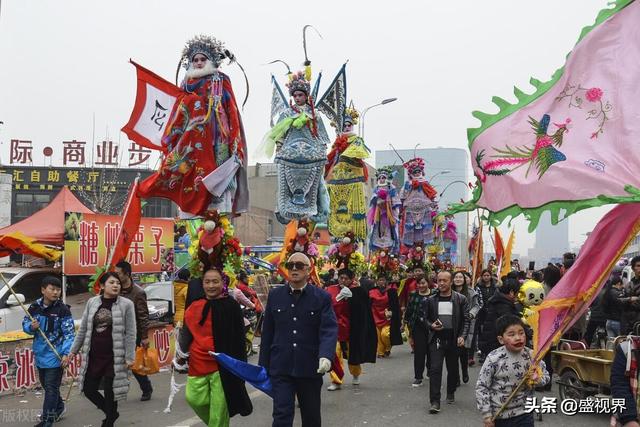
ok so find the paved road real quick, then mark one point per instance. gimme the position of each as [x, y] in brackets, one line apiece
[384, 398]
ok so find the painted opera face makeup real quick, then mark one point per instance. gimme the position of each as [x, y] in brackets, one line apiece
[300, 98]
[199, 60]
[417, 173]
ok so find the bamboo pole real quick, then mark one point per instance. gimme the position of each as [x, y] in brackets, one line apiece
[477, 248]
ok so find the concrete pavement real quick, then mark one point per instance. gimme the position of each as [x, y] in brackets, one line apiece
[384, 398]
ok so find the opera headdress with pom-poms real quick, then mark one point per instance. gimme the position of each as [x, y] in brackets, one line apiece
[385, 171]
[414, 166]
[298, 82]
[351, 115]
[208, 46]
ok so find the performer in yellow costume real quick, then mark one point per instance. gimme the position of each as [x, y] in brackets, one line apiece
[346, 174]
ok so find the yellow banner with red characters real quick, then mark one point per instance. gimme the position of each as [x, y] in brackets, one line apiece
[88, 238]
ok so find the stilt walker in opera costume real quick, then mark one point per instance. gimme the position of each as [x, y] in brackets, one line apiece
[383, 213]
[300, 141]
[448, 234]
[346, 174]
[418, 203]
[204, 147]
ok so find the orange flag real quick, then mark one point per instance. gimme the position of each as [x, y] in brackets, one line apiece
[499, 246]
[129, 226]
[506, 259]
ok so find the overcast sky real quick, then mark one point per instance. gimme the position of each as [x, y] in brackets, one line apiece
[65, 61]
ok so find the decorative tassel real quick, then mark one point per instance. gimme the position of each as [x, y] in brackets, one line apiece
[307, 72]
[392, 220]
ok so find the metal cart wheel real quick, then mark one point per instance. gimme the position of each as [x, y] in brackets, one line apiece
[570, 386]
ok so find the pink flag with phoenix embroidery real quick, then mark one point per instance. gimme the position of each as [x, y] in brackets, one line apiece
[572, 296]
[572, 144]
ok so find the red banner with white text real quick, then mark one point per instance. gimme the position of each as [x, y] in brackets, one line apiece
[88, 239]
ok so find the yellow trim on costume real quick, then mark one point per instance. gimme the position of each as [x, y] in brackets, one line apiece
[401, 287]
[356, 148]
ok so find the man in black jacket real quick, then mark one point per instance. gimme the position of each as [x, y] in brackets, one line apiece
[447, 318]
[501, 303]
[137, 295]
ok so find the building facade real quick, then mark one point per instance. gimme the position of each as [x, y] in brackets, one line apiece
[551, 240]
[102, 190]
[105, 190]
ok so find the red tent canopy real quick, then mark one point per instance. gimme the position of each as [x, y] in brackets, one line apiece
[47, 225]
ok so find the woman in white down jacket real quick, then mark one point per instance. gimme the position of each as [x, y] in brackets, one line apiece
[107, 342]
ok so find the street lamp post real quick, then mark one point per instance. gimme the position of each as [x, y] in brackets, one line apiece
[364, 112]
[450, 184]
[442, 172]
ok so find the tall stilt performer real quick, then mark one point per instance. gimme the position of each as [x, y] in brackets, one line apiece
[346, 174]
[447, 234]
[204, 148]
[418, 203]
[300, 141]
[383, 213]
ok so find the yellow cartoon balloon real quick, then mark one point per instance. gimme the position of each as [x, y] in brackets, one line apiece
[531, 293]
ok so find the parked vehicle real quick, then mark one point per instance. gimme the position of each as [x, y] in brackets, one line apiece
[25, 282]
[583, 372]
[160, 301]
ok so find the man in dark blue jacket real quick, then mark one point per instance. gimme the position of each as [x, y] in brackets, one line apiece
[299, 338]
[53, 317]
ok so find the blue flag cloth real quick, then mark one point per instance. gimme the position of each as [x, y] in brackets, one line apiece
[255, 375]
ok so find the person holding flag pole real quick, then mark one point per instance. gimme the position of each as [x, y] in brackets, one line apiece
[502, 369]
[52, 319]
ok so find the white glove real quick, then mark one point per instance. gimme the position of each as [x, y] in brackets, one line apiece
[344, 294]
[324, 365]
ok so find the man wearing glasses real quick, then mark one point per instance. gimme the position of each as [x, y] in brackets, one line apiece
[299, 338]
